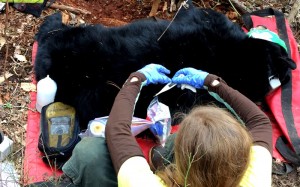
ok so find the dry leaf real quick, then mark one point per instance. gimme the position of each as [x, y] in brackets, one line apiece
[20, 58]
[14, 118]
[65, 18]
[17, 50]
[165, 7]
[23, 142]
[2, 26]
[232, 15]
[81, 21]
[17, 138]
[28, 87]
[7, 75]
[6, 97]
[2, 42]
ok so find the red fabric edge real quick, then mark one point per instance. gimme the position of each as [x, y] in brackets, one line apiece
[274, 99]
[35, 170]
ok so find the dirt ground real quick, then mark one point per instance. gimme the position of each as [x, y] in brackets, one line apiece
[16, 47]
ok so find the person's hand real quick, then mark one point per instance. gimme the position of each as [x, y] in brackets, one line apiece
[190, 76]
[155, 73]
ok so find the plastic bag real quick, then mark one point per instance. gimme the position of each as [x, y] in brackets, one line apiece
[96, 127]
[160, 116]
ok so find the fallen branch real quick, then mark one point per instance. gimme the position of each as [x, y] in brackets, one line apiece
[242, 8]
[294, 11]
[68, 8]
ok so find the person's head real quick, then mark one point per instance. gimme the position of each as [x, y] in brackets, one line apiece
[212, 149]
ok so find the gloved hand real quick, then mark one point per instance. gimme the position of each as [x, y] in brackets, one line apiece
[190, 76]
[155, 73]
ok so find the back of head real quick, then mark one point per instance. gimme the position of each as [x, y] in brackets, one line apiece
[211, 149]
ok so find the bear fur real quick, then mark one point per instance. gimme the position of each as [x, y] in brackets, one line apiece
[90, 63]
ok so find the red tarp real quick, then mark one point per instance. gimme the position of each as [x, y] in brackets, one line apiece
[35, 170]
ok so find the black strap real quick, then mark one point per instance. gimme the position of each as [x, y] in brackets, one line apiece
[286, 89]
[281, 168]
[248, 24]
[286, 152]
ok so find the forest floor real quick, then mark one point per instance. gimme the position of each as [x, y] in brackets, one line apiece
[17, 31]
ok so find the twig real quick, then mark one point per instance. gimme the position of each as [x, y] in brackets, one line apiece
[113, 84]
[198, 4]
[22, 160]
[190, 162]
[183, 4]
[203, 3]
[69, 8]
[47, 157]
[234, 8]
[6, 39]
[294, 11]
[17, 151]
[243, 9]
[13, 93]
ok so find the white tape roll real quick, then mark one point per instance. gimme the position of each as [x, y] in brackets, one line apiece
[97, 129]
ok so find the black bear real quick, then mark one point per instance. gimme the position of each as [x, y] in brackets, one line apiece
[91, 62]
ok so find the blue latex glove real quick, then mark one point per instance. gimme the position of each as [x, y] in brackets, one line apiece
[190, 76]
[155, 73]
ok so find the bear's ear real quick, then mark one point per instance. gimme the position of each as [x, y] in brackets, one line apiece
[285, 76]
[290, 63]
[51, 23]
[285, 60]
[283, 64]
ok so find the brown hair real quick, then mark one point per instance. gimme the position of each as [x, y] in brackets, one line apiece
[212, 149]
